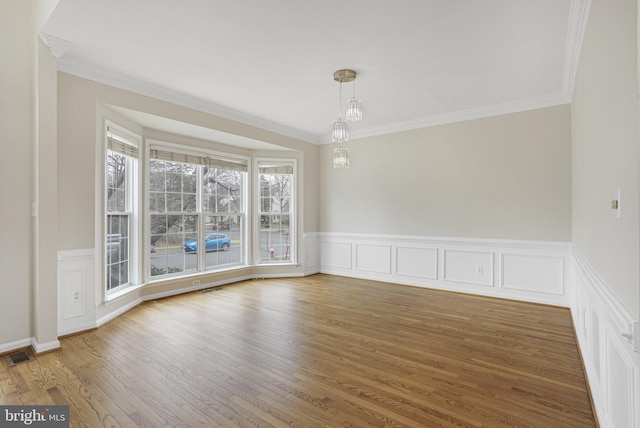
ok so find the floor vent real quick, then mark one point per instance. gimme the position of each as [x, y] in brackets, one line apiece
[209, 290]
[19, 357]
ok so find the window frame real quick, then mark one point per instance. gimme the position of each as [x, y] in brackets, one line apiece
[133, 194]
[194, 156]
[293, 211]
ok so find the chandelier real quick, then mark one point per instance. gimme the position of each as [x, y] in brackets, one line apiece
[340, 134]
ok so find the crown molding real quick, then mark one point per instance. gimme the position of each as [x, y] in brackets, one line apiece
[77, 67]
[578, 16]
[69, 64]
[463, 115]
[57, 47]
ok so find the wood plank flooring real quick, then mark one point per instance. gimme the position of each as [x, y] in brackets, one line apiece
[320, 351]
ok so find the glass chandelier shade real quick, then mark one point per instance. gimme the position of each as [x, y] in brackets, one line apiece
[339, 133]
[354, 107]
[354, 110]
[341, 157]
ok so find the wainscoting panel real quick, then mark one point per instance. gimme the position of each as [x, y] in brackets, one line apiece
[521, 270]
[311, 261]
[76, 308]
[336, 254]
[373, 258]
[468, 267]
[608, 337]
[417, 262]
[530, 272]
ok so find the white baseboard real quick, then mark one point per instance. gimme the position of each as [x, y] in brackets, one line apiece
[29, 342]
[17, 344]
[117, 312]
[530, 271]
[202, 286]
[44, 347]
[160, 295]
[608, 338]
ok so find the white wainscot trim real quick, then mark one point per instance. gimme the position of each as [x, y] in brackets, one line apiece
[608, 337]
[373, 258]
[416, 261]
[468, 267]
[532, 271]
[76, 307]
[311, 253]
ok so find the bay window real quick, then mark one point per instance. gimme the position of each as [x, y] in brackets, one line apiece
[196, 209]
[195, 218]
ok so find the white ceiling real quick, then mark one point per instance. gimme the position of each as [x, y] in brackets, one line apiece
[270, 63]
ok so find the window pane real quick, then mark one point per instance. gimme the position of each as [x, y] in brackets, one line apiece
[189, 184]
[117, 239]
[224, 245]
[223, 194]
[275, 215]
[174, 182]
[169, 236]
[175, 231]
[189, 203]
[274, 239]
[116, 182]
[174, 202]
[117, 250]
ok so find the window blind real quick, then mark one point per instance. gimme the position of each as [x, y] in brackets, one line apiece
[197, 159]
[276, 169]
[119, 142]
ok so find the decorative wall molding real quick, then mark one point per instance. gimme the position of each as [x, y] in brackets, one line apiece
[608, 338]
[76, 289]
[310, 253]
[533, 271]
[57, 46]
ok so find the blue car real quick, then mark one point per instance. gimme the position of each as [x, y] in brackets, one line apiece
[214, 241]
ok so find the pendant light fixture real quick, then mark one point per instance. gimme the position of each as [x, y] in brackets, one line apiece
[340, 134]
[354, 106]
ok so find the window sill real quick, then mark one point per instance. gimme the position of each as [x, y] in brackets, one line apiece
[277, 264]
[111, 297]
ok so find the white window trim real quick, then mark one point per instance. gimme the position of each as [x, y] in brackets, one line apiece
[185, 149]
[294, 212]
[134, 172]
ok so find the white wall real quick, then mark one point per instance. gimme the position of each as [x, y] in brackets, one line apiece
[605, 149]
[27, 133]
[16, 171]
[505, 177]
[606, 298]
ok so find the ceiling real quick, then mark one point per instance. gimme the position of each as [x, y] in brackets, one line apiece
[270, 63]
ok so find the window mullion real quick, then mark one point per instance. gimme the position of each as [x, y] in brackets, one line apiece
[202, 254]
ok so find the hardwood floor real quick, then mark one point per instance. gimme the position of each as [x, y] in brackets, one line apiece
[320, 351]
